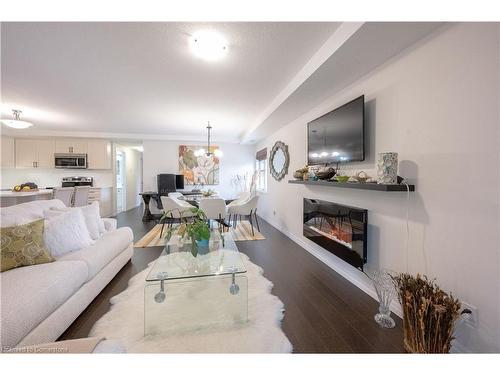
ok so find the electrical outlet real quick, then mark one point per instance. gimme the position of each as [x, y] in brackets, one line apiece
[274, 212]
[472, 318]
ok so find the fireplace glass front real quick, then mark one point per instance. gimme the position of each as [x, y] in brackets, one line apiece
[342, 230]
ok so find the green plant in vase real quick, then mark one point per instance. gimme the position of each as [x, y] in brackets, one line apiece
[193, 227]
[208, 193]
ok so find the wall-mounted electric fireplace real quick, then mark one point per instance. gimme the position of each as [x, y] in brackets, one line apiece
[342, 230]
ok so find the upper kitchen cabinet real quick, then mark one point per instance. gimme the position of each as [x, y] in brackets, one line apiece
[46, 149]
[71, 146]
[34, 153]
[8, 154]
[39, 153]
[99, 154]
[26, 153]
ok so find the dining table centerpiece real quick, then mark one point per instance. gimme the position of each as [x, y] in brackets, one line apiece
[208, 193]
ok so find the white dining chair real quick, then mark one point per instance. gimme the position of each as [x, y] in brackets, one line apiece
[242, 198]
[247, 209]
[81, 196]
[153, 207]
[64, 194]
[214, 209]
[176, 195]
[176, 210]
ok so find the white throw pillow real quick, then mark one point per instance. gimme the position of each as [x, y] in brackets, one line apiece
[92, 219]
[102, 229]
[66, 232]
[92, 216]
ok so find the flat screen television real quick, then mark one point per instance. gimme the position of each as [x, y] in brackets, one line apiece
[338, 136]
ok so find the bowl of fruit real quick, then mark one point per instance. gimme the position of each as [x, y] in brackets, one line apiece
[23, 188]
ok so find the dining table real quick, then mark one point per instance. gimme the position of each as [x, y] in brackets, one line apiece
[195, 201]
[191, 197]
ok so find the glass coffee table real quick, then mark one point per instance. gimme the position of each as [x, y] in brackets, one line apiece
[184, 292]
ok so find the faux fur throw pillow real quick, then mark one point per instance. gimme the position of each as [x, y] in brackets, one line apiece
[66, 232]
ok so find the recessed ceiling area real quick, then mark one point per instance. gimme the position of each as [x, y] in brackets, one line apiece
[368, 47]
[142, 80]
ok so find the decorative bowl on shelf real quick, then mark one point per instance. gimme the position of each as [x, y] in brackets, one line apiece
[361, 177]
[341, 178]
[325, 173]
[300, 173]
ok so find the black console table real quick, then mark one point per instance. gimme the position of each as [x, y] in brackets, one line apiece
[146, 197]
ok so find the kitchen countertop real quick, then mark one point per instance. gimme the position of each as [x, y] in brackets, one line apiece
[12, 194]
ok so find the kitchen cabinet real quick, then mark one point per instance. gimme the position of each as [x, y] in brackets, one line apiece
[34, 153]
[104, 196]
[71, 146]
[46, 150]
[26, 153]
[99, 154]
[39, 153]
[8, 153]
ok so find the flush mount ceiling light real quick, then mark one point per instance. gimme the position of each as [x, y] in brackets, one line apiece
[207, 153]
[17, 123]
[208, 45]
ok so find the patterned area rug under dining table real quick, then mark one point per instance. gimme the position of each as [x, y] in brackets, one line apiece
[242, 232]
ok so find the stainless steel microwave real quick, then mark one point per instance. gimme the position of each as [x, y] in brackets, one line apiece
[70, 161]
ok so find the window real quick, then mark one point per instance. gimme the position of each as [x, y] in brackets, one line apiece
[261, 168]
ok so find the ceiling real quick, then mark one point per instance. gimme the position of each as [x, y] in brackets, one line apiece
[140, 80]
[370, 45]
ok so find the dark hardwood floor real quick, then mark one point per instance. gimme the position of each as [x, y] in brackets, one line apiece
[325, 313]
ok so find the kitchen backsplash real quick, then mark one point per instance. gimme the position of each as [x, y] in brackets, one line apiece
[52, 177]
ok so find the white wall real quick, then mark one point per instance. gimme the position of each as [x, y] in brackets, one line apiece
[437, 106]
[52, 177]
[163, 157]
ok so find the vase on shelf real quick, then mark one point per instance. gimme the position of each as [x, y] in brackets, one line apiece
[387, 168]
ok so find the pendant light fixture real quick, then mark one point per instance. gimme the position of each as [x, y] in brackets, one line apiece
[17, 123]
[207, 153]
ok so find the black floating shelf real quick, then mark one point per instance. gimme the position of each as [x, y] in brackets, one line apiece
[355, 185]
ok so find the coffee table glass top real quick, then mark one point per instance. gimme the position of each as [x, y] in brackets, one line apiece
[220, 257]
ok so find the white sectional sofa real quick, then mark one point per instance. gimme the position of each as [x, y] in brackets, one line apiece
[38, 303]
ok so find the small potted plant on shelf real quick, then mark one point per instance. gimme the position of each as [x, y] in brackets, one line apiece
[193, 228]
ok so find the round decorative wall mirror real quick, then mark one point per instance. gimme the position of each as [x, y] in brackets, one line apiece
[279, 160]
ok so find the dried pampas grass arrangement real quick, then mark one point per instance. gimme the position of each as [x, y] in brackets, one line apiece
[429, 314]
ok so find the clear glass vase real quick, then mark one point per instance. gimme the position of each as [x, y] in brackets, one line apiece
[386, 291]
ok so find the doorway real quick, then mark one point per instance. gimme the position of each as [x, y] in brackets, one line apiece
[128, 175]
[121, 193]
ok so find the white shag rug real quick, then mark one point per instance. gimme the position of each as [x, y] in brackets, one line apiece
[260, 334]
